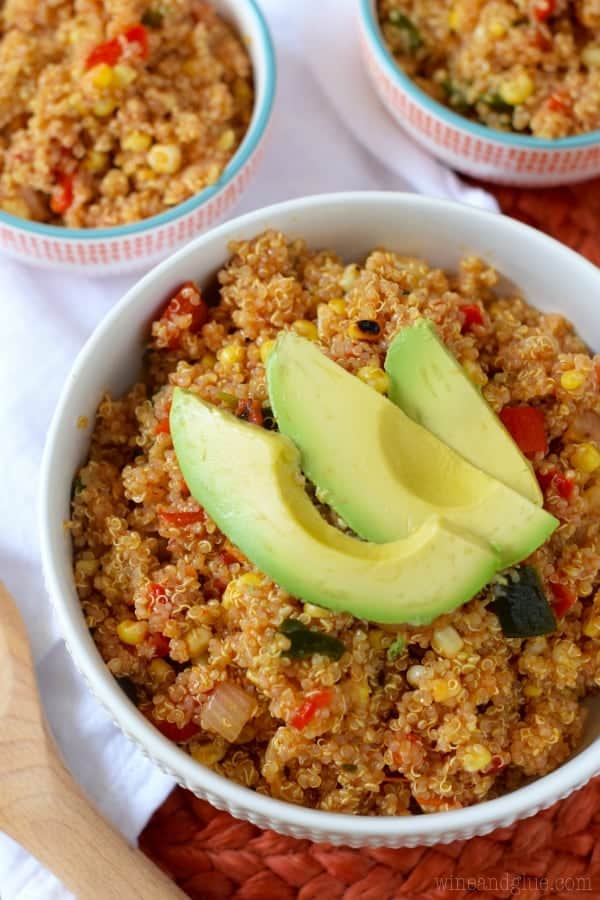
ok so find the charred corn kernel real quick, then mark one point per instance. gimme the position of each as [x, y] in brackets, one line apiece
[165, 158]
[249, 579]
[136, 141]
[208, 754]
[124, 75]
[266, 348]
[496, 29]
[375, 377]
[231, 355]
[227, 139]
[132, 632]
[349, 276]
[571, 380]
[104, 107]
[338, 307]
[447, 641]
[364, 330]
[591, 627]
[102, 75]
[96, 162]
[591, 56]
[306, 329]
[440, 689]
[415, 675]
[159, 671]
[586, 458]
[517, 89]
[197, 640]
[532, 690]
[476, 758]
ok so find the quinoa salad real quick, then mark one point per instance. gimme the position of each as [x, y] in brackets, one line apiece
[114, 112]
[530, 66]
[292, 700]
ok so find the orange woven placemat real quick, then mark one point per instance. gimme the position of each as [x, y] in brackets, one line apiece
[554, 854]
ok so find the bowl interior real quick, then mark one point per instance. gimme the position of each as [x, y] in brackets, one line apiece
[550, 277]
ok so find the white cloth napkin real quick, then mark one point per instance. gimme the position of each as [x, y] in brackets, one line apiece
[329, 134]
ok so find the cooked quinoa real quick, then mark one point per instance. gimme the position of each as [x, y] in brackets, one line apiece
[113, 112]
[531, 66]
[407, 719]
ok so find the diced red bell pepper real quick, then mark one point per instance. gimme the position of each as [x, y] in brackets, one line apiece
[108, 52]
[306, 712]
[163, 426]
[563, 485]
[543, 9]
[62, 194]
[564, 599]
[251, 410]
[541, 40]
[157, 594]
[527, 428]
[473, 316]
[161, 645]
[559, 103]
[169, 729]
[496, 765]
[138, 34]
[182, 304]
[182, 519]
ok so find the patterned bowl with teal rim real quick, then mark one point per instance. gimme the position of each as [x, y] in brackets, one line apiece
[471, 148]
[128, 247]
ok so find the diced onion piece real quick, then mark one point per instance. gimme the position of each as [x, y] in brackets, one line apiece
[227, 711]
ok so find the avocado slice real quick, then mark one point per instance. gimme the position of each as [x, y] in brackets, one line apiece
[431, 387]
[383, 473]
[249, 481]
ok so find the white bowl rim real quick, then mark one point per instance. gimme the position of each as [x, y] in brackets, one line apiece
[261, 117]
[441, 826]
[386, 60]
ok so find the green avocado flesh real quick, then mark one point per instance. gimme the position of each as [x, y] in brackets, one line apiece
[382, 472]
[249, 482]
[431, 387]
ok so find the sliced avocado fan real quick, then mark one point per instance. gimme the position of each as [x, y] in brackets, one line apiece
[430, 386]
[382, 472]
[248, 480]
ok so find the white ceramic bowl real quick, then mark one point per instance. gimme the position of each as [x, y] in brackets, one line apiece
[471, 148]
[550, 276]
[130, 247]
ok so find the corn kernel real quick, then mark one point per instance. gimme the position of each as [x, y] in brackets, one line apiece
[591, 56]
[266, 348]
[476, 758]
[364, 330]
[532, 690]
[517, 89]
[96, 162]
[208, 754]
[586, 458]
[497, 29]
[104, 107]
[349, 276]
[208, 360]
[591, 627]
[306, 329]
[440, 690]
[124, 75]
[455, 17]
[375, 377]
[359, 693]
[231, 355]
[165, 158]
[571, 380]
[227, 140]
[159, 671]
[197, 640]
[338, 307]
[249, 579]
[144, 174]
[415, 675]
[475, 373]
[447, 641]
[136, 141]
[102, 75]
[132, 632]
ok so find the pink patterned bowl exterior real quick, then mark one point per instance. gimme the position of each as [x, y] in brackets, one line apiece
[471, 148]
[130, 247]
[351, 224]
